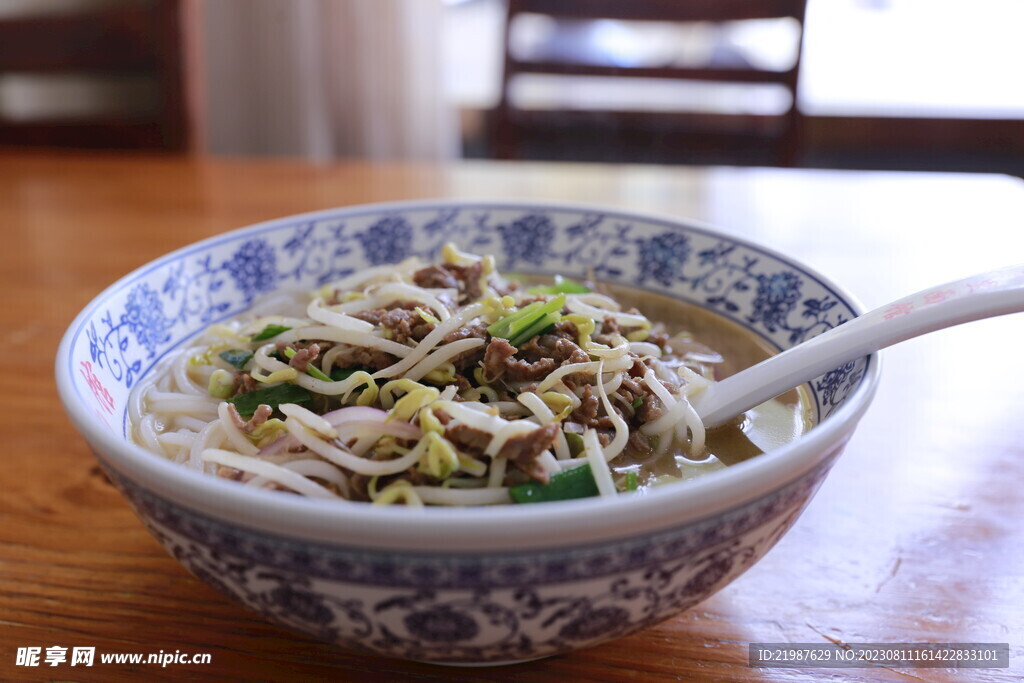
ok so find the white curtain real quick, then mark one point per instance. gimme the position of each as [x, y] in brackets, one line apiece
[323, 79]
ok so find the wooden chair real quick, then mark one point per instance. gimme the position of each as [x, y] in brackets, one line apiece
[139, 41]
[622, 134]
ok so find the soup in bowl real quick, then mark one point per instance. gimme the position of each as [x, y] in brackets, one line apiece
[358, 424]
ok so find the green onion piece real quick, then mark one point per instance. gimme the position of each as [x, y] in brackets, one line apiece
[631, 480]
[540, 327]
[339, 374]
[575, 483]
[528, 321]
[269, 332]
[246, 404]
[317, 373]
[575, 442]
[563, 285]
[639, 401]
[236, 357]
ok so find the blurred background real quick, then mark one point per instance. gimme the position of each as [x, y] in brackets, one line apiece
[886, 84]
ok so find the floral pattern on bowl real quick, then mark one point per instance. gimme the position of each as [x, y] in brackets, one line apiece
[491, 608]
[160, 306]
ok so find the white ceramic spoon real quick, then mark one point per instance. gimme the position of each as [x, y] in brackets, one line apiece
[981, 296]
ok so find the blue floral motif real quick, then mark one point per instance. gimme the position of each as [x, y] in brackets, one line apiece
[595, 623]
[777, 295]
[307, 587]
[301, 605]
[389, 240]
[662, 257]
[441, 624]
[144, 315]
[529, 239]
[708, 578]
[253, 268]
[834, 382]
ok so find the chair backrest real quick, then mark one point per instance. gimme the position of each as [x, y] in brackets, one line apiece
[133, 55]
[774, 138]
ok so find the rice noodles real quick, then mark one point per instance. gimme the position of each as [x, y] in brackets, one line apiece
[424, 384]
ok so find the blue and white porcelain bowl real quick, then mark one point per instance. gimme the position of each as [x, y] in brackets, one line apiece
[461, 586]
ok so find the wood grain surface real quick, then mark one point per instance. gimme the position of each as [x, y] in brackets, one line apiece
[915, 536]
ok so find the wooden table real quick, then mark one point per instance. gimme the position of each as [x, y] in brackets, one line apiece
[916, 535]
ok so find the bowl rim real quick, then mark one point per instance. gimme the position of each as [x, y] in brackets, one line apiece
[457, 530]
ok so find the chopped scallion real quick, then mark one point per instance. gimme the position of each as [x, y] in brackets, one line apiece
[529, 321]
[236, 357]
[577, 482]
[339, 374]
[246, 404]
[269, 332]
[575, 442]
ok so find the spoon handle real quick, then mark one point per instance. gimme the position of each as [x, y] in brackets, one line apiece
[980, 296]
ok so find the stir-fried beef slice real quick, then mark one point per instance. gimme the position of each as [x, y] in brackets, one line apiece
[477, 331]
[610, 326]
[469, 358]
[435, 277]
[498, 352]
[632, 386]
[466, 279]
[499, 361]
[467, 438]
[651, 409]
[566, 329]
[304, 356]
[406, 324]
[262, 414]
[586, 413]
[358, 356]
[371, 316]
[244, 384]
[463, 385]
[627, 392]
[401, 319]
[524, 449]
[610, 329]
[558, 348]
[469, 280]
[523, 371]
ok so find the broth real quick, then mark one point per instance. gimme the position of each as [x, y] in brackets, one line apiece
[763, 428]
